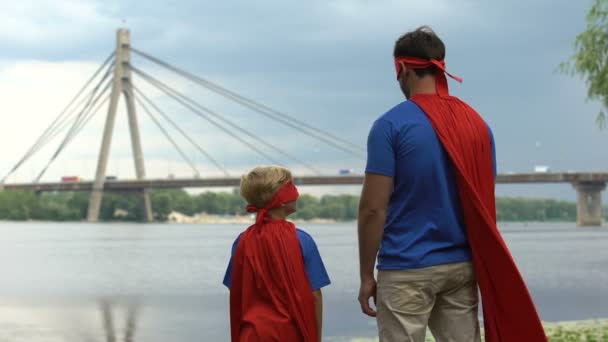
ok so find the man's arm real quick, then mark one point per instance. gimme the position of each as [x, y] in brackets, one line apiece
[372, 215]
[319, 312]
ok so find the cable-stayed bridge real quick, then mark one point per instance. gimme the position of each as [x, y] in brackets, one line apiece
[115, 77]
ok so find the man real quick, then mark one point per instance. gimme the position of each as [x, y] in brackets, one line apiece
[428, 213]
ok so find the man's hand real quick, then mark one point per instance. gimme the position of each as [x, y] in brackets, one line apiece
[367, 290]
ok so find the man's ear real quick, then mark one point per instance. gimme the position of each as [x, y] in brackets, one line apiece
[404, 71]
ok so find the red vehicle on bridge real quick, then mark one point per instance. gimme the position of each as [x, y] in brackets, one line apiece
[70, 179]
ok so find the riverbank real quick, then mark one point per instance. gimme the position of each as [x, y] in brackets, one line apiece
[204, 218]
[574, 331]
[73, 207]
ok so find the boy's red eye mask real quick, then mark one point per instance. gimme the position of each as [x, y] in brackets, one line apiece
[287, 193]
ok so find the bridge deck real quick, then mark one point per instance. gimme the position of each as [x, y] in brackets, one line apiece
[134, 185]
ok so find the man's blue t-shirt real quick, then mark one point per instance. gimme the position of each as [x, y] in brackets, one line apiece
[315, 270]
[424, 224]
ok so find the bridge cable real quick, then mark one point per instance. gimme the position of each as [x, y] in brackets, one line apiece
[82, 116]
[206, 117]
[81, 120]
[176, 96]
[76, 122]
[86, 113]
[66, 120]
[43, 138]
[181, 131]
[260, 108]
[218, 116]
[62, 123]
[167, 135]
[88, 119]
[74, 130]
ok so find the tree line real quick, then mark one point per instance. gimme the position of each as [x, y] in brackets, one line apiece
[72, 206]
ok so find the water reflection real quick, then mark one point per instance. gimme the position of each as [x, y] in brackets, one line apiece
[107, 307]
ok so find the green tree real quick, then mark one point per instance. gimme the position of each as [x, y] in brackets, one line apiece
[72, 206]
[161, 205]
[590, 60]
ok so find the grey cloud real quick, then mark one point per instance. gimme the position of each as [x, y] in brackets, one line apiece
[329, 62]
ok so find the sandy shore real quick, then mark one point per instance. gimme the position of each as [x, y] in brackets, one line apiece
[176, 217]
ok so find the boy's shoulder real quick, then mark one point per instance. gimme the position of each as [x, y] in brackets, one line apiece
[303, 235]
[236, 241]
[306, 241]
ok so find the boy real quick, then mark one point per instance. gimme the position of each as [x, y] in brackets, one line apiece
[275, 274]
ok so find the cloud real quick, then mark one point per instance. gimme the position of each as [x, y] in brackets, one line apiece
[325, 62]
[54, 28]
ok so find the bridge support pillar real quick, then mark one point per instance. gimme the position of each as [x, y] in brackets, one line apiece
[122, 83]
[589, 204]
[146, 206]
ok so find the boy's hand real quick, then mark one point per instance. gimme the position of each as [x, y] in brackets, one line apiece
[367, 290]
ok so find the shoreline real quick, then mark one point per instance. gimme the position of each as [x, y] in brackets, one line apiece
[565, 331]
[231, 219]
[177, 217]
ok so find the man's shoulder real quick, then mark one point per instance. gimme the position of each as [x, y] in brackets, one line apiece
[401, 118]
[402, 112]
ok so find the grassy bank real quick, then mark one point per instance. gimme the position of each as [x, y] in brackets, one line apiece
[589, 331]
[583, 331]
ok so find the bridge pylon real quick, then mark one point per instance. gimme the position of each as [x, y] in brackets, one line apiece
[122, 84]
[589, 204]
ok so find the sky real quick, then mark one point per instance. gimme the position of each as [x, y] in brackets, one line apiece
[326, 62]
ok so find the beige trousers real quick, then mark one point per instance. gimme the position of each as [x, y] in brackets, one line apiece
[443, 297]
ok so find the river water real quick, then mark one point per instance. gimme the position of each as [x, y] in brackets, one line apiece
[162, 282]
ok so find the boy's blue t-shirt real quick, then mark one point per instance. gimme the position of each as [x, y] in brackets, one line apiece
[315, 270]
[424, 224]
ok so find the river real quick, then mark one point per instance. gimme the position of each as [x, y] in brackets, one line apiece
[76, 282]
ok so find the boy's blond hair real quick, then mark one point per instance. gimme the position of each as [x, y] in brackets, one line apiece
[262, 183]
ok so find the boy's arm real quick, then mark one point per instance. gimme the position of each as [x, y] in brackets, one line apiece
[228, 276]
[317, 275]
[319, 312]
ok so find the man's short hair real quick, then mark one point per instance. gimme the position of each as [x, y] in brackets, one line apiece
[422, 43]
[260, 185]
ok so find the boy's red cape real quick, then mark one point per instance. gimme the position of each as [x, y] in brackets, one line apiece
[508, 311]
[270, 296]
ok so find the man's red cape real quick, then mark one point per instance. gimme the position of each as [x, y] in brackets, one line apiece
[508, 311]
[270, 295]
